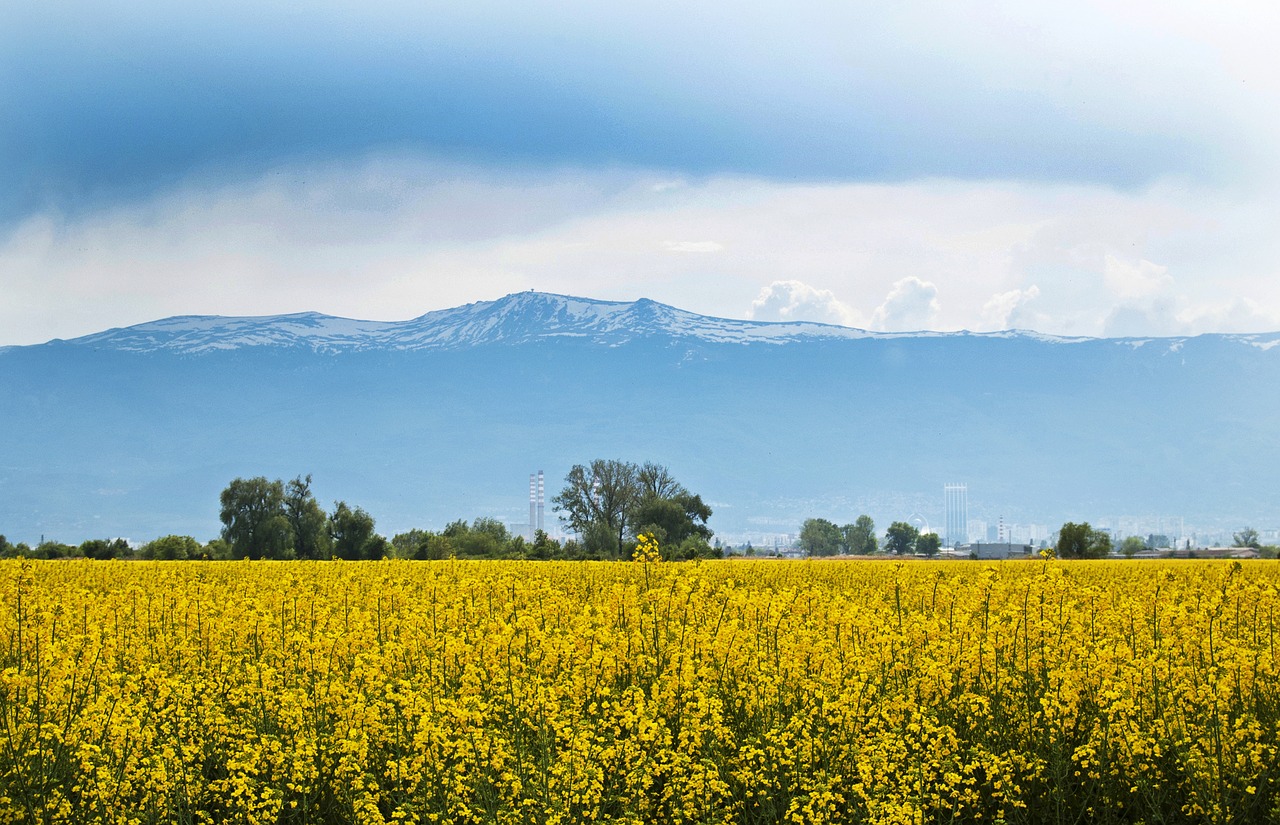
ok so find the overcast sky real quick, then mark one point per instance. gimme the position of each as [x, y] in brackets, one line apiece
[1070, 167]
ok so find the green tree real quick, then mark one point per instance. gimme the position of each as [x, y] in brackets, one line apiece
[407, 545]
[597, 501]
[1132, 546]
[656, 481]
[860, 537]
[900, 538]
[1248, 537]
[928, 544]
[351, 531]
[666, 505]
[217, 549]
[672, 519]
[171, 548]
[608, 501]
[105, 549]
[543, 547]
[438, 547]
[54, 550]
[377, 547]
[253, 519]
[1081, 541]
[307, 520]
[693, 547]
[485, 538]
[819, 537]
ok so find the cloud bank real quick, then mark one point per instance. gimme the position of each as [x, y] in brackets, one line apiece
[1075, 168]
[113, 98]
[798, 301]
[394, 236]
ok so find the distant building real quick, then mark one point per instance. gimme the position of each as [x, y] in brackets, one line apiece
[996, 550]
[956, 498]
[1214, 553]
[537, 505]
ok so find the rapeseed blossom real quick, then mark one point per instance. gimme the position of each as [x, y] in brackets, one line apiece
[737, 691]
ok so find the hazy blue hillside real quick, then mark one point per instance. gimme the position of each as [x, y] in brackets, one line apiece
[134, 432]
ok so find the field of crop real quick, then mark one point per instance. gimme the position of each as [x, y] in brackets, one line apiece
[733, 691]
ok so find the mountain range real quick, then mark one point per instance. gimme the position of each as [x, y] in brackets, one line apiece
[133, 432]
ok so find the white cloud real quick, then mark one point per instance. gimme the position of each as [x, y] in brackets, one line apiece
[392, 237]
[1009, 310]
[1136, 280]
[911, 305]
[798, 301]
[1240, 315]
[692, 246]
[1155, 315]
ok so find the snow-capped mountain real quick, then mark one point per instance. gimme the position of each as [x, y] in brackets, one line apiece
[519, 318]
[135, 431]
[515, 319]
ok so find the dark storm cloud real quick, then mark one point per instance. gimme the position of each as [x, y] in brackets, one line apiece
[110, 100]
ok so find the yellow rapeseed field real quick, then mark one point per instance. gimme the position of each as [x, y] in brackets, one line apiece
[729, 691]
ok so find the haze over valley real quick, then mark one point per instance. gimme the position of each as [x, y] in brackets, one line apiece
[132, 432]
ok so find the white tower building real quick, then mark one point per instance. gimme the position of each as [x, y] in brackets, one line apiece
[956, 498]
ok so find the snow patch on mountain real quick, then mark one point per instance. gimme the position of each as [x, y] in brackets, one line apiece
[515, 319]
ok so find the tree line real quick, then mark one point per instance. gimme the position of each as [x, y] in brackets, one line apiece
[607, 504]
[820, 537]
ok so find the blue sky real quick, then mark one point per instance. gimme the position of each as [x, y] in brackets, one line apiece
[1077, 167]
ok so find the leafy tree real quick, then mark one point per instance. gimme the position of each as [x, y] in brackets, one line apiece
[609, 500]
[105, 549]
[928, 544]
[656, 481]
[9, 550]
[351, 531]
[253, 519]
[171, 548]
[543, 547]
[1081, 541]
[860, 537]
[1248, 537]
[819, 537]
[217, 549]
[491, 527]
[485, 538]
[693, 547]
[54, 550]
[435, 547]
[672, 519]
[455, 528]
[377, 547]
[900, 538]
[307, 520]
[407, 545]
[1132, 546]
[597, 501]
[609, 491]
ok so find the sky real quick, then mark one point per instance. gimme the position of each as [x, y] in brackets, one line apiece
[1071, 167]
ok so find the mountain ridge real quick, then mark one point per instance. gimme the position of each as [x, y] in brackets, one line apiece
[515, 318]
[133, 432]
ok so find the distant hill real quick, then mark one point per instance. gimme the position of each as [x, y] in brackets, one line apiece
[135, 431]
